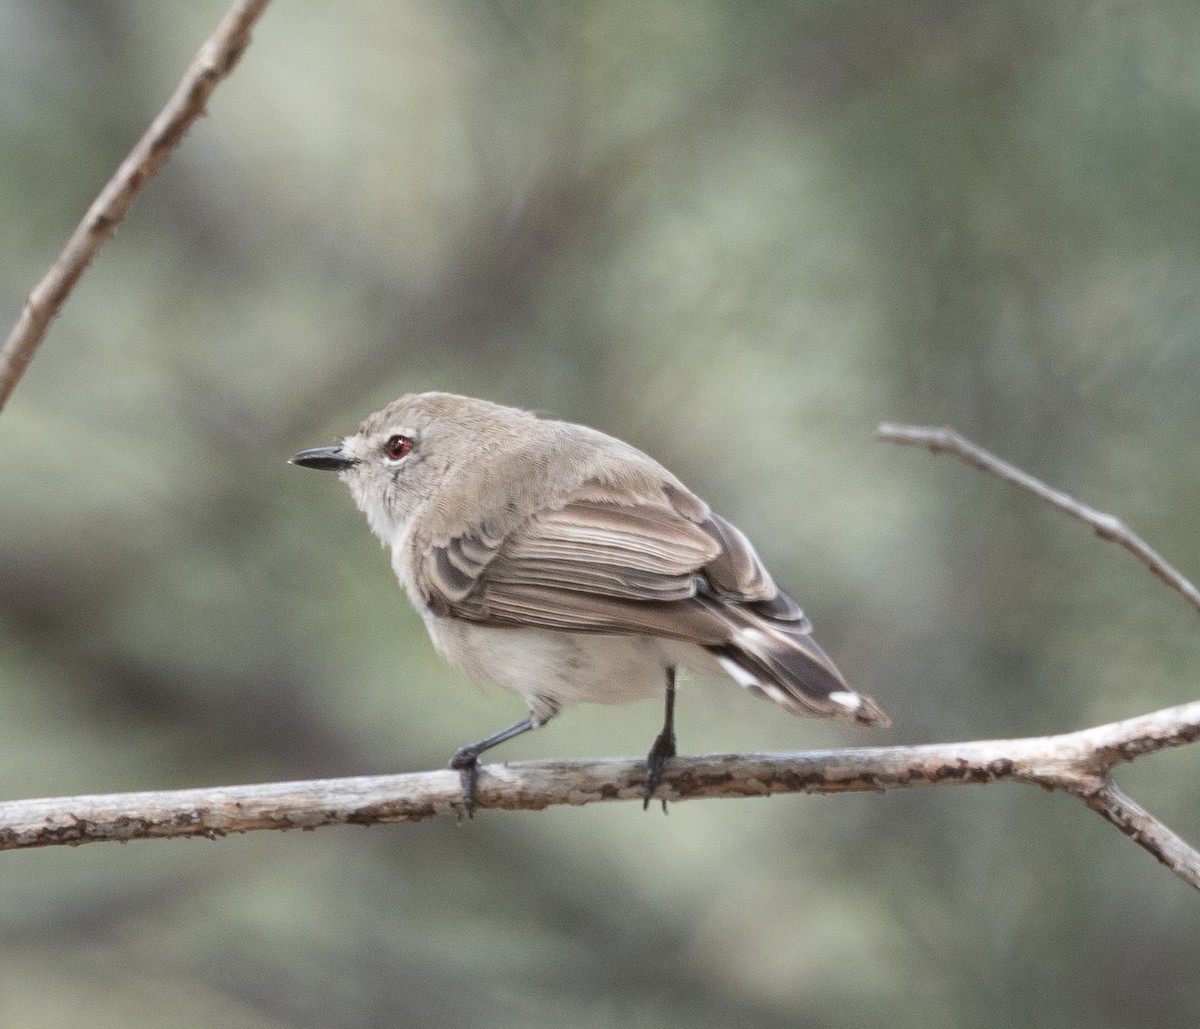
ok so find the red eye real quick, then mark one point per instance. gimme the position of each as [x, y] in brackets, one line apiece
[398, 447]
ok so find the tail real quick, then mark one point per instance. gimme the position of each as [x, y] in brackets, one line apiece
[772, 654]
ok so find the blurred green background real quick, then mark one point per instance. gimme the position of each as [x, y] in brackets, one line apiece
[736, 234]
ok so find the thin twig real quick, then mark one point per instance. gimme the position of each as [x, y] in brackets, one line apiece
[1096, 789]
[1076, 763]
[1144, 829]
[1106, 526]
[214, 61]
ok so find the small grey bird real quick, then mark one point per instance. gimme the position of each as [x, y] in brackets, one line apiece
[564, 566]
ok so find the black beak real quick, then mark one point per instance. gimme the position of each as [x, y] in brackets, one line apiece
[330, 459]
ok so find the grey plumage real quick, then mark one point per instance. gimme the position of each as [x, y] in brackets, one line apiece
[598, 568]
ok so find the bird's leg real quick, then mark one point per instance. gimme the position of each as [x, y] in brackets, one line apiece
[466, 758]
[664, 745]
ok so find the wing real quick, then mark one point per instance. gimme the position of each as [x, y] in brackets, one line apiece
[673, 569]
[603, 562]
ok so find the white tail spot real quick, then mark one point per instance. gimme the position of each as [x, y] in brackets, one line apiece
[752, 638]
[737, 673]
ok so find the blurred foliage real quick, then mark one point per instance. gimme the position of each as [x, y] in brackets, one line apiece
[736, 234]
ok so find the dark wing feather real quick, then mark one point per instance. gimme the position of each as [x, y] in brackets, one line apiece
[454, 571]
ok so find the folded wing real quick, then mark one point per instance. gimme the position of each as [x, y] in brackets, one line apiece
[609, 563]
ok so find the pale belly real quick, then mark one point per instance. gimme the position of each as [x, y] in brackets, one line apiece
[552, 670]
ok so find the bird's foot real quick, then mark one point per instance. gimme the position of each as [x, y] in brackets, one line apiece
[466, 762]
[662, 752]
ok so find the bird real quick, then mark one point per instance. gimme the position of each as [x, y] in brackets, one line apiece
[566, 566]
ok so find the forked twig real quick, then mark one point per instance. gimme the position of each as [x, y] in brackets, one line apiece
[214, 61]
[1098, 791]
[1077, 763]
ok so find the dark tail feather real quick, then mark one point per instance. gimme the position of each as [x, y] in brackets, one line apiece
[779, 661]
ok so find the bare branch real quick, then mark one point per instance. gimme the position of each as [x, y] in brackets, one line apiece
[1106, 526]
[1122, 741]
[214, 61]
[1076, 763]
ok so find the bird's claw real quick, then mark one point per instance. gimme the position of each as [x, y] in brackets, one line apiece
[467, 766]
[656, 762]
